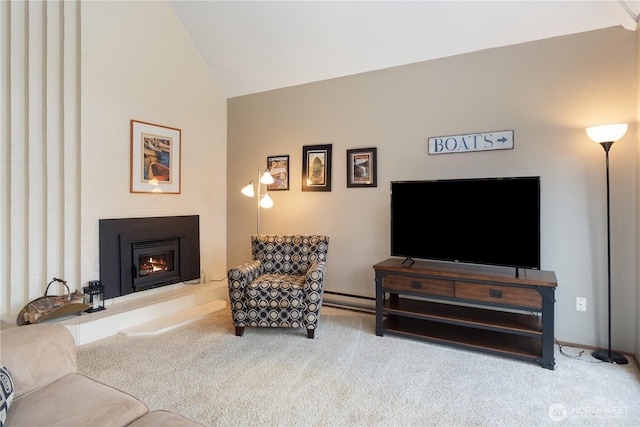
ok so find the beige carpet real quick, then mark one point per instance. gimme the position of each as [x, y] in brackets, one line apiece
[348, 376]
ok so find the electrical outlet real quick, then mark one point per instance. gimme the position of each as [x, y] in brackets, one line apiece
[581, 304]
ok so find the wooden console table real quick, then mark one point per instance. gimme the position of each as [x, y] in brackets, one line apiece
[482, 308]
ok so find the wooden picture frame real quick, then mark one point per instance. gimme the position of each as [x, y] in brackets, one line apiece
[316, 167]
[278, 167]
[362, 167]
[155, 158]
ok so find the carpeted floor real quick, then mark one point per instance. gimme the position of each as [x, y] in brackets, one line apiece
[348, 376]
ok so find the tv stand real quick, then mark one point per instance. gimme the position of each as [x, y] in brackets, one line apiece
[481, 308]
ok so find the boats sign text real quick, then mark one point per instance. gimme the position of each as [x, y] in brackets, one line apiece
[499, 140]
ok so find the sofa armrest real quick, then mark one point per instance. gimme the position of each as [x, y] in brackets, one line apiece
[239, 277]
[37, 355]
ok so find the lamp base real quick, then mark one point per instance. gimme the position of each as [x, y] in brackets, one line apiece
[610, 357]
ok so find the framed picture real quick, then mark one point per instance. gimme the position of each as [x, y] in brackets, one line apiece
[362, 168]
[278, 167]
[316, 167]
[155, 158]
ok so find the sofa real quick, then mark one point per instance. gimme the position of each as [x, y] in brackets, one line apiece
[47, 390]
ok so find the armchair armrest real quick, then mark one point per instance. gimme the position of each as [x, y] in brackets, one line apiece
[314, 279]
[240, 276]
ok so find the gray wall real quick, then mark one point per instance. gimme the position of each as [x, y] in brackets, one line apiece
[547, 92]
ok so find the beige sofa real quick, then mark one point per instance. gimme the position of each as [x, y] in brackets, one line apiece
[41, 359]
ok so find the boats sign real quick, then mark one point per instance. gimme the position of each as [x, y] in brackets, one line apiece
[498, 140]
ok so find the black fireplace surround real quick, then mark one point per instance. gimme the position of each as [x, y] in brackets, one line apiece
[137, 254]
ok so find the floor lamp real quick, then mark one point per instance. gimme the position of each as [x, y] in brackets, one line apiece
[264, 177]
[606, 135]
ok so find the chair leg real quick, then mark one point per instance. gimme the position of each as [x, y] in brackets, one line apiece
[310, 333]
[239, 331]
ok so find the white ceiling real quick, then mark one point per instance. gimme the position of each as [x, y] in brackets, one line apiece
[255, 46]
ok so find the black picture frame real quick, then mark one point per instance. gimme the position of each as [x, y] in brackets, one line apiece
[316, 167]
[362, 167]
[278, 167]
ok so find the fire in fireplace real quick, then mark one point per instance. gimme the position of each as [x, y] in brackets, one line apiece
[155, 263]
[143, 253]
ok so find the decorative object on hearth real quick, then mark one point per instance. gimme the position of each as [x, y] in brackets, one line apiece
[155, 158]
[264, 177]
[50, 306]
[94, 296]
[606, 135]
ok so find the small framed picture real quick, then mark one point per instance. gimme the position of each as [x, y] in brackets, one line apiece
[155, 158]
[362, 168]
[316, 167]
[278, 167]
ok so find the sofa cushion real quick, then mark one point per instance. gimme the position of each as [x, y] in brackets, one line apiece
[37, 355]
[6, 393]
[75, 400]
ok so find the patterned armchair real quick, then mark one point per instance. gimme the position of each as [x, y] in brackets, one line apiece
[282, 286]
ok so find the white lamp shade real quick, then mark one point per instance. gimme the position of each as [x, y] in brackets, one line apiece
[266, 178]
[266, 202]
[248, 190]
[607, 133]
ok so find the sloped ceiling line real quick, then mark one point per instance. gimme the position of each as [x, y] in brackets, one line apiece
[625, 12]
[256, 46]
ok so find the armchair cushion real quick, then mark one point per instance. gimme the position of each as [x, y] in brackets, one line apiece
[275, 300]
[288, 254]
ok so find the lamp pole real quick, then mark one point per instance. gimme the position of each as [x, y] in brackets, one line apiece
[258, 199]
[608, 355]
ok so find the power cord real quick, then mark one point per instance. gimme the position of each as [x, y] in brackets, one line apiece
[574, 356]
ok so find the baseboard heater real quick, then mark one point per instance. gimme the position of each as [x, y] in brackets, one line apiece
[349, 301]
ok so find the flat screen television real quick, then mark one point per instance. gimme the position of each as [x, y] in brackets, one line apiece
[493, 221]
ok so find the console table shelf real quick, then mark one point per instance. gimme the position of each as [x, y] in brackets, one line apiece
[515, 323]
[464, 337]
[480, 308]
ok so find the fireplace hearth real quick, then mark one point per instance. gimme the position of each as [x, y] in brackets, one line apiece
[137, 254]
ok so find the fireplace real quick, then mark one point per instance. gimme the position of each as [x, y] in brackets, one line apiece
[137, 254]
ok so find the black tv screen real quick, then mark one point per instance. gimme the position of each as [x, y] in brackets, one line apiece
[493, 221]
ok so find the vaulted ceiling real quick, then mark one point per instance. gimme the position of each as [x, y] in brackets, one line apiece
[255, 46]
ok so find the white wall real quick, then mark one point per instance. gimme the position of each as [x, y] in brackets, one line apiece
[547, 92]
[139, 63]
[40, 156]
[79, 72]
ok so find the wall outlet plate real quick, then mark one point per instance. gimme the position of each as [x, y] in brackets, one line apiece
[581, 304]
